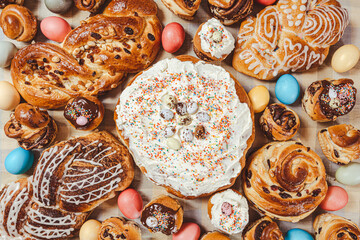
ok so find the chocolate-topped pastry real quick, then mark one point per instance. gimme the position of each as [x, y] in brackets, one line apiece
[230, 11]
[279, 122]
[4, 3]
[263, 229]
[163, 214]
[84, 113]
[325, 100]
[31, 127]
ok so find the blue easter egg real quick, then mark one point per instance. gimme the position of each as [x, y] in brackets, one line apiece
[287, 89]
[298, 234]
[19, 161]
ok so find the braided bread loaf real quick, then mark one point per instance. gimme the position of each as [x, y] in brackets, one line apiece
[94, 57]
[290, 36]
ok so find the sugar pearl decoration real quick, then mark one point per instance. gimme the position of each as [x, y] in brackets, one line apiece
[151, 222]
[192, 107]
[173, 143]
[203, 117]
[217, 36]
[169, 101]
[166, 114]
[184, 120]
[169, 132]
[181, 108]
[81, 121]
[226, 209]
[187, 135]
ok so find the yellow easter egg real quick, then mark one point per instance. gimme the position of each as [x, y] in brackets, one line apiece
[345, 58]
[90, 230]
[259, 97]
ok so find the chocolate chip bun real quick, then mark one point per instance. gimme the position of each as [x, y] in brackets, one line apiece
[117, 228]
[263, 229]
[230, 11]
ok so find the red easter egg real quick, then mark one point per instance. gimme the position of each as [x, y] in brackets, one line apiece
[266, 2]
[173, 37]
[335, 199]
[55, 28]
[188, 231]
[130, 203]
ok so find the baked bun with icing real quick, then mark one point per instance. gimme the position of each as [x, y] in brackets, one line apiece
[263, 229]
[94, 57]
[189, 133]
[214, 236]
[285, 181]
[31, 127]
[119, 228]
[326, 100]
[89, 5]
[185, 9]
[289, 36]
[340, 143]
[230, 11]
[212, 41]
[4, 3]
[332, 227]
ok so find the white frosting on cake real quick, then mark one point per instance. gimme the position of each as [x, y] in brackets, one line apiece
[202, 165]
[216, 48]
[239, 217]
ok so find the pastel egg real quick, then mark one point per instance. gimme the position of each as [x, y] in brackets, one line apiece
[9, 96]
[19, 161]
[345, 58]
[287, 89]
[298, 234]
[130, 203]
[188, 231]
[58, 6]
[259, 97]
[55, 28]
[8, 51]
[173, 37]
[335, 199]
[349, 174]
[173, 143]
[90, 230]
[266, 2]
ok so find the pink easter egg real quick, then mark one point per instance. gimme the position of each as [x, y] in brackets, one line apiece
[130, 203]
[55, 28]
[188, 231]
[173, 37]
[335, 199]
[266, 2]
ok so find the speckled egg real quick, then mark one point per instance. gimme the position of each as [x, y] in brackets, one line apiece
[58, 6]
[349, 174]
[19, 161]
[259, 97]
[8, 51]
[9, 96]
[298, 234]
[287, 89]
[188, 231]
[345, 58]
[90, 230]
[173, 37]
[336, 198]
[55, 28]
[130, 203]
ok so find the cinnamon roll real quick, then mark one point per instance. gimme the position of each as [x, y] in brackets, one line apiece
[89, 5]
[285, 180]
[230, 11]
[340, 143]
[185, 9]
[326, 100]
[332, 227]
[279, 122]
[18, 23]
[119, 228]
[263, 229]
[4, 3]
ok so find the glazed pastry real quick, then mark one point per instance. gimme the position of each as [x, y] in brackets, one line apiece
[212, 42]
[4, 3]
[332, 227]
[228, 211]
[94, 57]
[31, 127]
[84, 113]
[118, 228]
[214, 236]
[289, 36]
[18, 23]
[181, 132]
[89, 5]
[230, 11]
[285, 181]
[263, 229]
[340, 143]
[326, 100]
[183, 8]
[279, 122]
[163, 214]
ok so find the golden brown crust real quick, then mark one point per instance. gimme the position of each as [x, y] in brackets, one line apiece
[185, 9]
[285, 180]
[243, 97]
[119, 228]
[279, 122]
[4, 3]
[340, 143]
[31, 127]
[263, 229]
[230, 12]
[18, 23]
[214, 236]
[89, 5]
[332, 227]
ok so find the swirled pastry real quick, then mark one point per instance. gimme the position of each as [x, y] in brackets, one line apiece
[279, 122]
[31, 127]
[332, 227]
[183, 8]
[18, 23]
[263, 229]
[340, 143]
[89, 5]
[285, 180]
[230, 11]
[119, 228]
[94, 57]
[214, 236]
[4, 3]
[289, 36]
[189, 128]
[326, 100]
